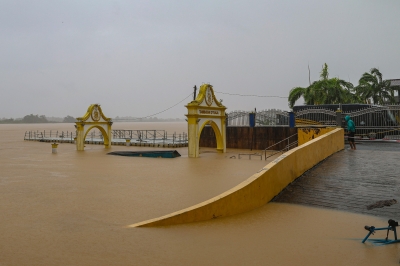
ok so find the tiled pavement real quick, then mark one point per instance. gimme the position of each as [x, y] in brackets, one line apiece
[351, 180]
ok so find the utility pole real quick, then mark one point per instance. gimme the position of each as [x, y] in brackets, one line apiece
[194, 92]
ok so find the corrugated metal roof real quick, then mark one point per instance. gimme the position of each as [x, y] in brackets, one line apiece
[395, 82]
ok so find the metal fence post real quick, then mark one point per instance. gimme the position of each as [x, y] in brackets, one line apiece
[339, 118]
[292, 120]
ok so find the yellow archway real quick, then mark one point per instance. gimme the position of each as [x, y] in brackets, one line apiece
[94, 118]
[206, 109]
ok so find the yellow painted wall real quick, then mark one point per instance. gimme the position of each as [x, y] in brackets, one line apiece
[261, 187]
[308, 133]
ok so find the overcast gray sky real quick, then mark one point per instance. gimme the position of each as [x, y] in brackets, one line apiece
[137, 58]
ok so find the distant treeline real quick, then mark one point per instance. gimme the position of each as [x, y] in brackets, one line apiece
[69, 119]
[36, 119]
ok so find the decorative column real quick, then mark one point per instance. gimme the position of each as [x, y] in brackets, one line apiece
[193, 142]
[80, 141]
[109, 134]
[223, 135]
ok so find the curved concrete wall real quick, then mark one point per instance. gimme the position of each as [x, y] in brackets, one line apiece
[305, 134]
[261, 187]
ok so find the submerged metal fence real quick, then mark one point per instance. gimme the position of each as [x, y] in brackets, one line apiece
[155, 136]
[50, 135]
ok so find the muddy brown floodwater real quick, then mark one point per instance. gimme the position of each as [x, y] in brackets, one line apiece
[72, 208]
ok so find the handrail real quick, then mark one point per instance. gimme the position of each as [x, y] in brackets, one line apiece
[288, 146]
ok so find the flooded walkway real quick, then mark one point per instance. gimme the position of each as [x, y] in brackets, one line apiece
[361, 181]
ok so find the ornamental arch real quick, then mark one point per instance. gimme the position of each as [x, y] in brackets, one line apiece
[205, 110]
[94, 118]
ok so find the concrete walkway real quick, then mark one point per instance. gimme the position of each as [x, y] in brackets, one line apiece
[351, 181]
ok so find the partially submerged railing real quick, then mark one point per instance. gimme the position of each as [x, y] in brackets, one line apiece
[50, 135]
[136, 136]
[155, 136]
[250, 154]
[289, 145]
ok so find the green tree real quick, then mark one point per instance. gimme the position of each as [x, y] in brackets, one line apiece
[34, 119]
[69, 119]
[373, 89]
[7, 121]
[324, 91]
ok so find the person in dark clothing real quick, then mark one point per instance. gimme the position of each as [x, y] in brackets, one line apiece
[351, 127]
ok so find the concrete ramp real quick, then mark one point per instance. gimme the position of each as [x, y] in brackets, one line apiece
[261, 187]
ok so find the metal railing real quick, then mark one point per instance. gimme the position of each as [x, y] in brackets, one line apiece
[315, 115]
[269, 117]
[372, 122]
[250, 154]
[155, 136]
[376, 122]
[289, 145]
[140, 136]
[50, 134]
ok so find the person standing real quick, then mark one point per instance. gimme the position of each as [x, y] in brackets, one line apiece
[351, 127]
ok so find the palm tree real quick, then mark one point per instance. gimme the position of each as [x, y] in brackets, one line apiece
[373, 89]
[324, 91]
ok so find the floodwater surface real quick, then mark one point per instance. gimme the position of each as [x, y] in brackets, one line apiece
[73, 208]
